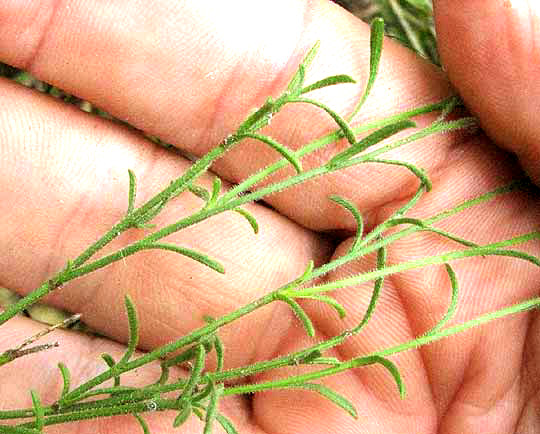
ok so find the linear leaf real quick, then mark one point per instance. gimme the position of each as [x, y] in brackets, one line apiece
[451, 236]
[376, 43]
[372, 139]
[315, 354]
[300, 313]
[110, 363]
[133, 330]
[142, 423]
[390, 367]
[349, 206]
[249, 217]
[453, 302]
[66, 379]
[196, 371]
[212, 408]
[333, 396]
[403, 221]
[449, 107]
[418, 172]
[220, 352]
[332, 302]
[282, 149]
[203, 393]
[226, 424]
[381, 263]
[164, 374]
[200, 192]
[306, 275]
[296, 83]
[343, 124]
[216, 190]
[39, 411]
[182, 415]
[132, 191]
[328, 81]
[197, 256]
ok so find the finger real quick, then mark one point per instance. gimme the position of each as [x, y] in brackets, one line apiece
[490, 50]
[65, 178]
[190, 72]
[39, 372]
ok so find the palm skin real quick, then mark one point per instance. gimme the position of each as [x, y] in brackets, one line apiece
[65, 180]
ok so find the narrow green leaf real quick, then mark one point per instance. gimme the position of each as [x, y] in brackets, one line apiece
[142, 423]
[349, 206]
[133, 330]
[220, 352]
[311, 55]
[381, 263]
[181, 358]
[142, 220]
[283, 150]
[453, 302]
[197, 256]
[328, 81]
[249, 217]
[449, 107]
[342, 123]
[333, 396]
[66, 379]
[132, 191]
[203, 393]
[182, 415]
[372, 139]
[196, 371]
[110, 363]
[164, 373]
[217, 345]
[309, 357]
[216, 190]
[333, 361]
[300, 313]
[404, 221]
[390, 367]
[200, 192]
[450, 236]
[330, 301]
[306, 275]
[39, 411]
[226, 424]
[297, 81]
[376, 43]
[212, 408]
[418, 172]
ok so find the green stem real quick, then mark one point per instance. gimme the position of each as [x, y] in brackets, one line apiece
[490, 249]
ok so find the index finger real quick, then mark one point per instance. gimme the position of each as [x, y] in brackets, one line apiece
[190, 72]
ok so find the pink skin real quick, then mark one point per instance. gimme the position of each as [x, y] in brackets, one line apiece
[189, 72]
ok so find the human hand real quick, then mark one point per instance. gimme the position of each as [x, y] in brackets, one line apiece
[189, 73]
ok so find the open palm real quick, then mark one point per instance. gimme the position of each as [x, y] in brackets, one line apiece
[189, 72]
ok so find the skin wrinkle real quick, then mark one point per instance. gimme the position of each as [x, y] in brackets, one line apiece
[36, 51]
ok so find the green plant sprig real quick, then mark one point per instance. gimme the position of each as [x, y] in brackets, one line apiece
[201, 391]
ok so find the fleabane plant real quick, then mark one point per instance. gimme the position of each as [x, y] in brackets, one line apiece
[200, 393]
